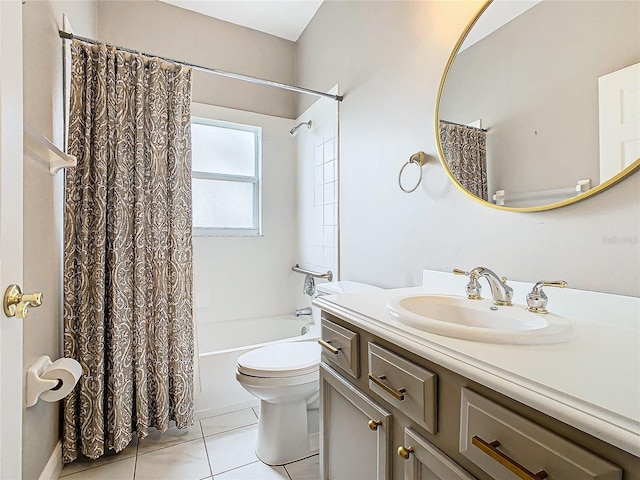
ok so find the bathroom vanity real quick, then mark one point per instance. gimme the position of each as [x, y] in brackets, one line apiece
[401, 403]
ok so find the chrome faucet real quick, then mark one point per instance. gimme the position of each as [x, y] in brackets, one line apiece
[303, 311]
[500, 291]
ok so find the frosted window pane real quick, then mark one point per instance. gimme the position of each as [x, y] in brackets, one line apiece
[221, 204]
[223, 150]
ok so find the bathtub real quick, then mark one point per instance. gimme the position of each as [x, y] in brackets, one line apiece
[221, 343]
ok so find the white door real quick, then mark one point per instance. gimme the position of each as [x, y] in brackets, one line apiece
[619, 98]
[11, 384]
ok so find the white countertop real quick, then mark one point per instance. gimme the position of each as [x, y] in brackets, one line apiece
[591, 382]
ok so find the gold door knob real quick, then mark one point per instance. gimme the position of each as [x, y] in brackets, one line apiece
[373, 425]
[16, 304]
[405, 452]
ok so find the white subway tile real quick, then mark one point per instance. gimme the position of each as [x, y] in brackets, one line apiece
[319, 195]
[318, 176]
[329, 173]
[319, 155]
[329, 195]
[318, 236]
[306, 254]
[329, 149]
[329, 257]
[316, 255]
[318, 136]
[318, 215]
[329, 237]
[330, 216]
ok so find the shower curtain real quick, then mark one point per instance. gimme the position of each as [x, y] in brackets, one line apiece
[128, 249]
[465, 149]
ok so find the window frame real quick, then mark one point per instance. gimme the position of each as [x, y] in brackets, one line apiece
[255, 180]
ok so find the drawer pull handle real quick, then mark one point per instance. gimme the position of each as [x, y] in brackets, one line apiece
[405, 452]
[397, 394]
[329, 347]
[504, 460]
[373, 425]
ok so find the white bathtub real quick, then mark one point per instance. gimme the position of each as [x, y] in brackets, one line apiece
[221, 343]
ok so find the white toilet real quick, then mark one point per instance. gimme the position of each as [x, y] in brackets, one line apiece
[284, 377]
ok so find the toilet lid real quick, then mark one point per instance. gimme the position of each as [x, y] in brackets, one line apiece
[281, 360]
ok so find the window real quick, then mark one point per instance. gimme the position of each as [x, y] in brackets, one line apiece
[225, 178]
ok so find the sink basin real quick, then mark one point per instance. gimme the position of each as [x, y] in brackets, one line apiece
[478, 320]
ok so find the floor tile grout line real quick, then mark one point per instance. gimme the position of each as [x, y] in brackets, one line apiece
[239, 466]
[206, 450]
[135, 466]
[140, 454]
[230, 430]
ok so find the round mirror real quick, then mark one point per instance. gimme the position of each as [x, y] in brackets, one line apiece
[539, 105]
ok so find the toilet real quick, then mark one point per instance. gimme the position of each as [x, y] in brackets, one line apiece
[284, 376]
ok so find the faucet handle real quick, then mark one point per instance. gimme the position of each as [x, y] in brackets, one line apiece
[473, 288]
[537, 299]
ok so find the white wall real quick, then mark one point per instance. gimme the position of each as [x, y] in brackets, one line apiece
[43, 196]
[163, 29]
[388, 58]
[249, 277]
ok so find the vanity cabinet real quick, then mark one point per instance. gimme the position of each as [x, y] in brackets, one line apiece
[406, 417]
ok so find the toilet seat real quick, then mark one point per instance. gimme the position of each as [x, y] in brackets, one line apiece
[281, 360]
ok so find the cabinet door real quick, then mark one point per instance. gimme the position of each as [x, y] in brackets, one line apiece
[426, 462]
[355, 433]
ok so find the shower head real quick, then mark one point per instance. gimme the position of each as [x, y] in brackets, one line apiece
[294, 131]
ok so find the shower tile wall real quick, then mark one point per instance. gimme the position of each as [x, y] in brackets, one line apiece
[318, 188]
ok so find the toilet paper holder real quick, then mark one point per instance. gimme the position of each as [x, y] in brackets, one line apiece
[48, 389]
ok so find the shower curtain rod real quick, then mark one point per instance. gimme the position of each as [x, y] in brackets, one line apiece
[237, 76]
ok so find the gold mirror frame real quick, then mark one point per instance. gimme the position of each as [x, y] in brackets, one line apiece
[589, 193]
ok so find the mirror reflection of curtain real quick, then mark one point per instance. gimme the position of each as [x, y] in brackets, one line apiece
[128, 271]
[465, 149]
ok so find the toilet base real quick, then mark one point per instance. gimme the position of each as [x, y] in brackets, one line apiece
[287, 432]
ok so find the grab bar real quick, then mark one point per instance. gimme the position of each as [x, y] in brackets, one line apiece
[328, 275]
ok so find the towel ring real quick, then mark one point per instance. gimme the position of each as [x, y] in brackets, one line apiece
[418, 159]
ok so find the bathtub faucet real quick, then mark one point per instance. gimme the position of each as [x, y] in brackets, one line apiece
[303, 311]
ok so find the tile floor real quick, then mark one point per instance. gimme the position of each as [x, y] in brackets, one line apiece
[218, 448]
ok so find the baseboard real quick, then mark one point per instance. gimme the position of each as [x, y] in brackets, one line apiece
[54, 466]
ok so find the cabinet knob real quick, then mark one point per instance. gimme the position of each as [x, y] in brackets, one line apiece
[373, 425]
[405, 452]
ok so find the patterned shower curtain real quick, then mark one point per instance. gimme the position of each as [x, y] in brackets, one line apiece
[128, 250]
[465, 149]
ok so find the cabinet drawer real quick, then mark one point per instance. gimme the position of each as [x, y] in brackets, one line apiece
[340, 347]
[507, 446]
[405, 385]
